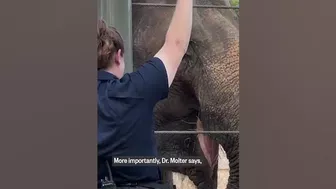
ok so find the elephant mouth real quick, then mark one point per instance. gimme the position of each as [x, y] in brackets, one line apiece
[210, 147]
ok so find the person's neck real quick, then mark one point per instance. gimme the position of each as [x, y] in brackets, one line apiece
[114, 71]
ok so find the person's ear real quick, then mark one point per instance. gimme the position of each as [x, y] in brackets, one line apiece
[118, 57]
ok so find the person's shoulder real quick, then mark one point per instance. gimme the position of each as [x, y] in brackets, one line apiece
[122, 88]
[153, 66]
[156, 60]
[151, 76]
[152, 73]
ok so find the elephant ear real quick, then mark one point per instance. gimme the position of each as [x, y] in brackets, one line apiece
[210, 147]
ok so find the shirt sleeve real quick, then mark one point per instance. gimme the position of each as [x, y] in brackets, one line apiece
[151, 80]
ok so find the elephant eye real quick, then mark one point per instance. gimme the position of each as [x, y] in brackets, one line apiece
[187, 142]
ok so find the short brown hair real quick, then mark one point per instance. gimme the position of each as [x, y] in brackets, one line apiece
[109, 42]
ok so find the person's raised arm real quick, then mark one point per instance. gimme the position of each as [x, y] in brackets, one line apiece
[177, 38]
[154, 78]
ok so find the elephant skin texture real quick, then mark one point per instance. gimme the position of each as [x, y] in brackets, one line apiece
[206, 85]
[184, 145]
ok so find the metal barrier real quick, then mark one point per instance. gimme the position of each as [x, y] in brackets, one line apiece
[196, 132]
[195, 6]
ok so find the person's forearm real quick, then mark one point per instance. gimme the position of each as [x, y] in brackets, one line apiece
[179, 31]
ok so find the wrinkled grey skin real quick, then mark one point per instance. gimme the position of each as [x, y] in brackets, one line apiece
[207, 82]
[182, 145]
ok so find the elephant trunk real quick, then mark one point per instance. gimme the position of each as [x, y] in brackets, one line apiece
[231, 147]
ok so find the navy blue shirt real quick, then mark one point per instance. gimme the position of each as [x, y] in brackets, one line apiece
[126, 121]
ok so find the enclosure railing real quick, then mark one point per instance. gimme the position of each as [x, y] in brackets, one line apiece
[196, 132]
[195, 6]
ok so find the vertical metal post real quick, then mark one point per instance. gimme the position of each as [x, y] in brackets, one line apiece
[118, 13]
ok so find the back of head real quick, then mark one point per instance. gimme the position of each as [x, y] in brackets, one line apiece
[109, 42]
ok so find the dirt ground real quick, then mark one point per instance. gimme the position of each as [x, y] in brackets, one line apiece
[183, 182]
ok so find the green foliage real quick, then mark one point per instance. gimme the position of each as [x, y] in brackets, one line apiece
[234, 2]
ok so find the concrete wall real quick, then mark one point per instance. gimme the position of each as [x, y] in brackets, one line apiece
[117, 14]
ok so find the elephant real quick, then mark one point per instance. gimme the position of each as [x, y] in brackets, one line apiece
[206, 85]
[182, 145]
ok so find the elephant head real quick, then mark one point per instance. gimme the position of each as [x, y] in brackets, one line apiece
[184, 145]
[206, 85]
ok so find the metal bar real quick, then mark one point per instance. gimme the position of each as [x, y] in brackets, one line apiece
[119, 15]
[195, 6]
[196, 132]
